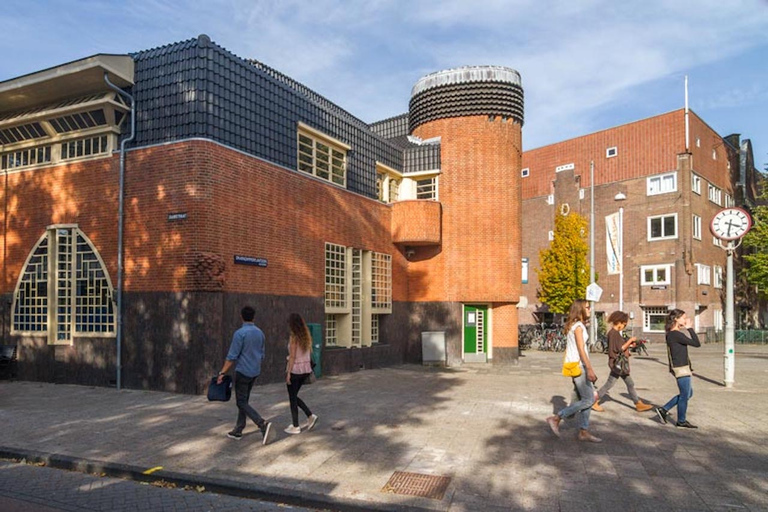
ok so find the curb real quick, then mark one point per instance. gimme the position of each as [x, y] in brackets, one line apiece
[212, 485]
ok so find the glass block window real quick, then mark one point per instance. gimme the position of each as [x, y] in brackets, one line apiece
[662, 227]
[30, 312]
[427, 188]
[80, 289]
[331, 337]
[25, 157]
[375, 329]
[654, 319]
[322, 158]
[84, 147]
[335, 276]
[381, 281]
[357, 296]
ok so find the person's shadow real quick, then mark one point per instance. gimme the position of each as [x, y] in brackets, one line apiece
[558, 402]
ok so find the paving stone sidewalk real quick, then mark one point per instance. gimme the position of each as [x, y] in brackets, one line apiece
[482, 426]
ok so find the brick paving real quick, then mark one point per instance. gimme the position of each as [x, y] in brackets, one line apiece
[482, 426]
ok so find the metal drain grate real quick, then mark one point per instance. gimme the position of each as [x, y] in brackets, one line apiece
[416, 484]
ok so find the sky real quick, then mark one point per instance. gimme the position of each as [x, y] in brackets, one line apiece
[586, 65]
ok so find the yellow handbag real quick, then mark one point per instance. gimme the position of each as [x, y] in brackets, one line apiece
[571, 369]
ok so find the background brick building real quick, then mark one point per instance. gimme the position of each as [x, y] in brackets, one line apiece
[670, 194]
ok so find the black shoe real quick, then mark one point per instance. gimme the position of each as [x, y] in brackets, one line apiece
[685, 424]
[662, 414]
[235, 434]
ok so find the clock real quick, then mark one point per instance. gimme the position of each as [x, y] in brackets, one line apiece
[731, 224]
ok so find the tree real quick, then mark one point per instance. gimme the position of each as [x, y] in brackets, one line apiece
[756, 245]
[564, 272]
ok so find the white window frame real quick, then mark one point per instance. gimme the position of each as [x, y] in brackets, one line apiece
[703, 274]
[611, 152]
[663, 236]
[524, 173]
[77, 289]
[728, 200]
[696, 227]
[387, 183]
[524, 272]
[714, 194]
[311, 157]
[427, 191]
[656, 311]
[696, 183]
[551, 199]
[667, 268]
[661, 184]
[718, 276]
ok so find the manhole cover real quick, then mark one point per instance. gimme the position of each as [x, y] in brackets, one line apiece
[416, 484]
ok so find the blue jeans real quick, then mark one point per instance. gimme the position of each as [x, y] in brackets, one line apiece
[243, 386]
[685, 390]
[581, 401]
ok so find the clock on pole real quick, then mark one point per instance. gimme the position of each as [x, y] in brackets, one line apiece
[729, 225]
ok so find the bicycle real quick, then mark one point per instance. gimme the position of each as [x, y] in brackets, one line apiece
[640, 346]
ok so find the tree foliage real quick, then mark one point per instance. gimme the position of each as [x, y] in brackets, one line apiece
[756, 243]
[564, 272]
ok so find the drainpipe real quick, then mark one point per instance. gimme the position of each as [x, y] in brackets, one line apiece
[120, 222]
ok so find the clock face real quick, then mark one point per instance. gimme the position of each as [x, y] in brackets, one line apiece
[731, 224]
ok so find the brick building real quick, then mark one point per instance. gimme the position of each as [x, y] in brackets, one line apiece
[668, 194]
[242, 186]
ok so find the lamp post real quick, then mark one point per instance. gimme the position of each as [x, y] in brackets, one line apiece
[621, 196]
[592, 322]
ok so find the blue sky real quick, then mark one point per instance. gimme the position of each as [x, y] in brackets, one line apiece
[585, 65]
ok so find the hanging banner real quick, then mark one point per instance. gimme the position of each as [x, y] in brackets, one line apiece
[613, 243]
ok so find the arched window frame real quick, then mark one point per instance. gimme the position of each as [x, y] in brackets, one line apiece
[62, 294]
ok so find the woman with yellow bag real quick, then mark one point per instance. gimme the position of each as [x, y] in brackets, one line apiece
[577, 366]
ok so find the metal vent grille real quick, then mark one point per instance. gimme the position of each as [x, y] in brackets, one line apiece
[416, 484]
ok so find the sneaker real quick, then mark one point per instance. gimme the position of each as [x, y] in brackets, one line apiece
[267, 432]
[585, 436]
[640, 406]
[311, 422]
[662, 414]
[235, 434]
[290, 429]
[554, 424]
[685, 424]
[596, 407]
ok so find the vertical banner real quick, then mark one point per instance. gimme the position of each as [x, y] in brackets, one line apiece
[613, 247]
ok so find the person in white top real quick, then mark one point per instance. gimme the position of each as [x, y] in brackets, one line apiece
[297, 371]
[583, 385]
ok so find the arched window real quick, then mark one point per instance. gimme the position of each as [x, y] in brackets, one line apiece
[64, 289]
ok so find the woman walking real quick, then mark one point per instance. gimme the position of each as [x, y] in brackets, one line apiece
[618, 365]
[583, 383]
[297, 371]
[679, 337]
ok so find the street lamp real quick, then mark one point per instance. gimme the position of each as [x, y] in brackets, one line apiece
[621, 196]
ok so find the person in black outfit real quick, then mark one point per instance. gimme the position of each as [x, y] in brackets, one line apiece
[618, 345]
[679, 337]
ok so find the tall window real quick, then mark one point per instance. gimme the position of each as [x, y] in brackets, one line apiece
[718, 276]
[654, 319]
[322, 156]
[714, 194]
[662, 227]
[335, 277]
[381, 282]
[696, 227]
[704, 273]
[387, 183]
[662, 184]
[75, 300]
[696, 183]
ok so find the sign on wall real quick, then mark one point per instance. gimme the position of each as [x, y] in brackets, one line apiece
[250, 260]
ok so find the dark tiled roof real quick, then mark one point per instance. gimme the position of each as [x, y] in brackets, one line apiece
[423, 157]
[392, 127]
[196, 88]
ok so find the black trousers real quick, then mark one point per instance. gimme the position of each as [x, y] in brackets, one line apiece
[243, 386]
[297, 379]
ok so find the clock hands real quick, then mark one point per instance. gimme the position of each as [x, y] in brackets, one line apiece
[730, 226]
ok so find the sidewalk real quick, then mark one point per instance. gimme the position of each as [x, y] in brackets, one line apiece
[482, 426]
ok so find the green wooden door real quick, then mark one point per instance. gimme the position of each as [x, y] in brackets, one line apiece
[475, 330]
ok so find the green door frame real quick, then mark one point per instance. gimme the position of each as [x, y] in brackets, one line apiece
[474, 323]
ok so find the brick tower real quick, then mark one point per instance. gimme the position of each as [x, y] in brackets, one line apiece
[477, 112]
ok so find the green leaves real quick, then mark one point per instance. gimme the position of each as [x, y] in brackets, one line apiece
[756, 243]
[564, 272]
